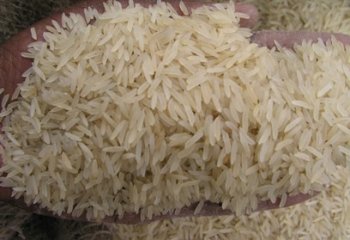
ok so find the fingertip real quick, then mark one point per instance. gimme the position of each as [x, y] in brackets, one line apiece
[268, 38]
[291, 200]
[260, 38]
[249, 10]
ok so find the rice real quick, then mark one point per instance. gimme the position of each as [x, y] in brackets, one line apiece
[324, 217]
[106, 123]
[33, 33]
[320, 16]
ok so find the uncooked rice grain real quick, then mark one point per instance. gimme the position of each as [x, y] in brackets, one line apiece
[33, 33]
[143, 135]
[324, 217]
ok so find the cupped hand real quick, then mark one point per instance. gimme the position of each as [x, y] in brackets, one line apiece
[12, 65]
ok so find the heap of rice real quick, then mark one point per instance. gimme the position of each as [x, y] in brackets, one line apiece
[324, 217]
[292, 15]
[327, 213]
[148, 111]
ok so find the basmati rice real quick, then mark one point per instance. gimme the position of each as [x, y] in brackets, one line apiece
[130, 148]
[33, 33]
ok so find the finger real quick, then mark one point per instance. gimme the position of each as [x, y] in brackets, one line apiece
[289, 39]
[246, 8]
[291, 200]
[251, 11]
[209, 209]
[12, 65]
[23, 38]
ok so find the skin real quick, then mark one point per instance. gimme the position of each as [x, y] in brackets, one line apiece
[12, 65]
[289, 39]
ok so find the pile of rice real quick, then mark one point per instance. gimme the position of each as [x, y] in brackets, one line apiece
[327, 216]
[292, 15]
[185, 110]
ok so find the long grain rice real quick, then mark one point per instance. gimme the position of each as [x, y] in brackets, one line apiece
[133, 129]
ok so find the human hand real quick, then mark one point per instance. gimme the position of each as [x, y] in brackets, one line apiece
[14, 66]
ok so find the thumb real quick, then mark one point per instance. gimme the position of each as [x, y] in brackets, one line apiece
[287, 39]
